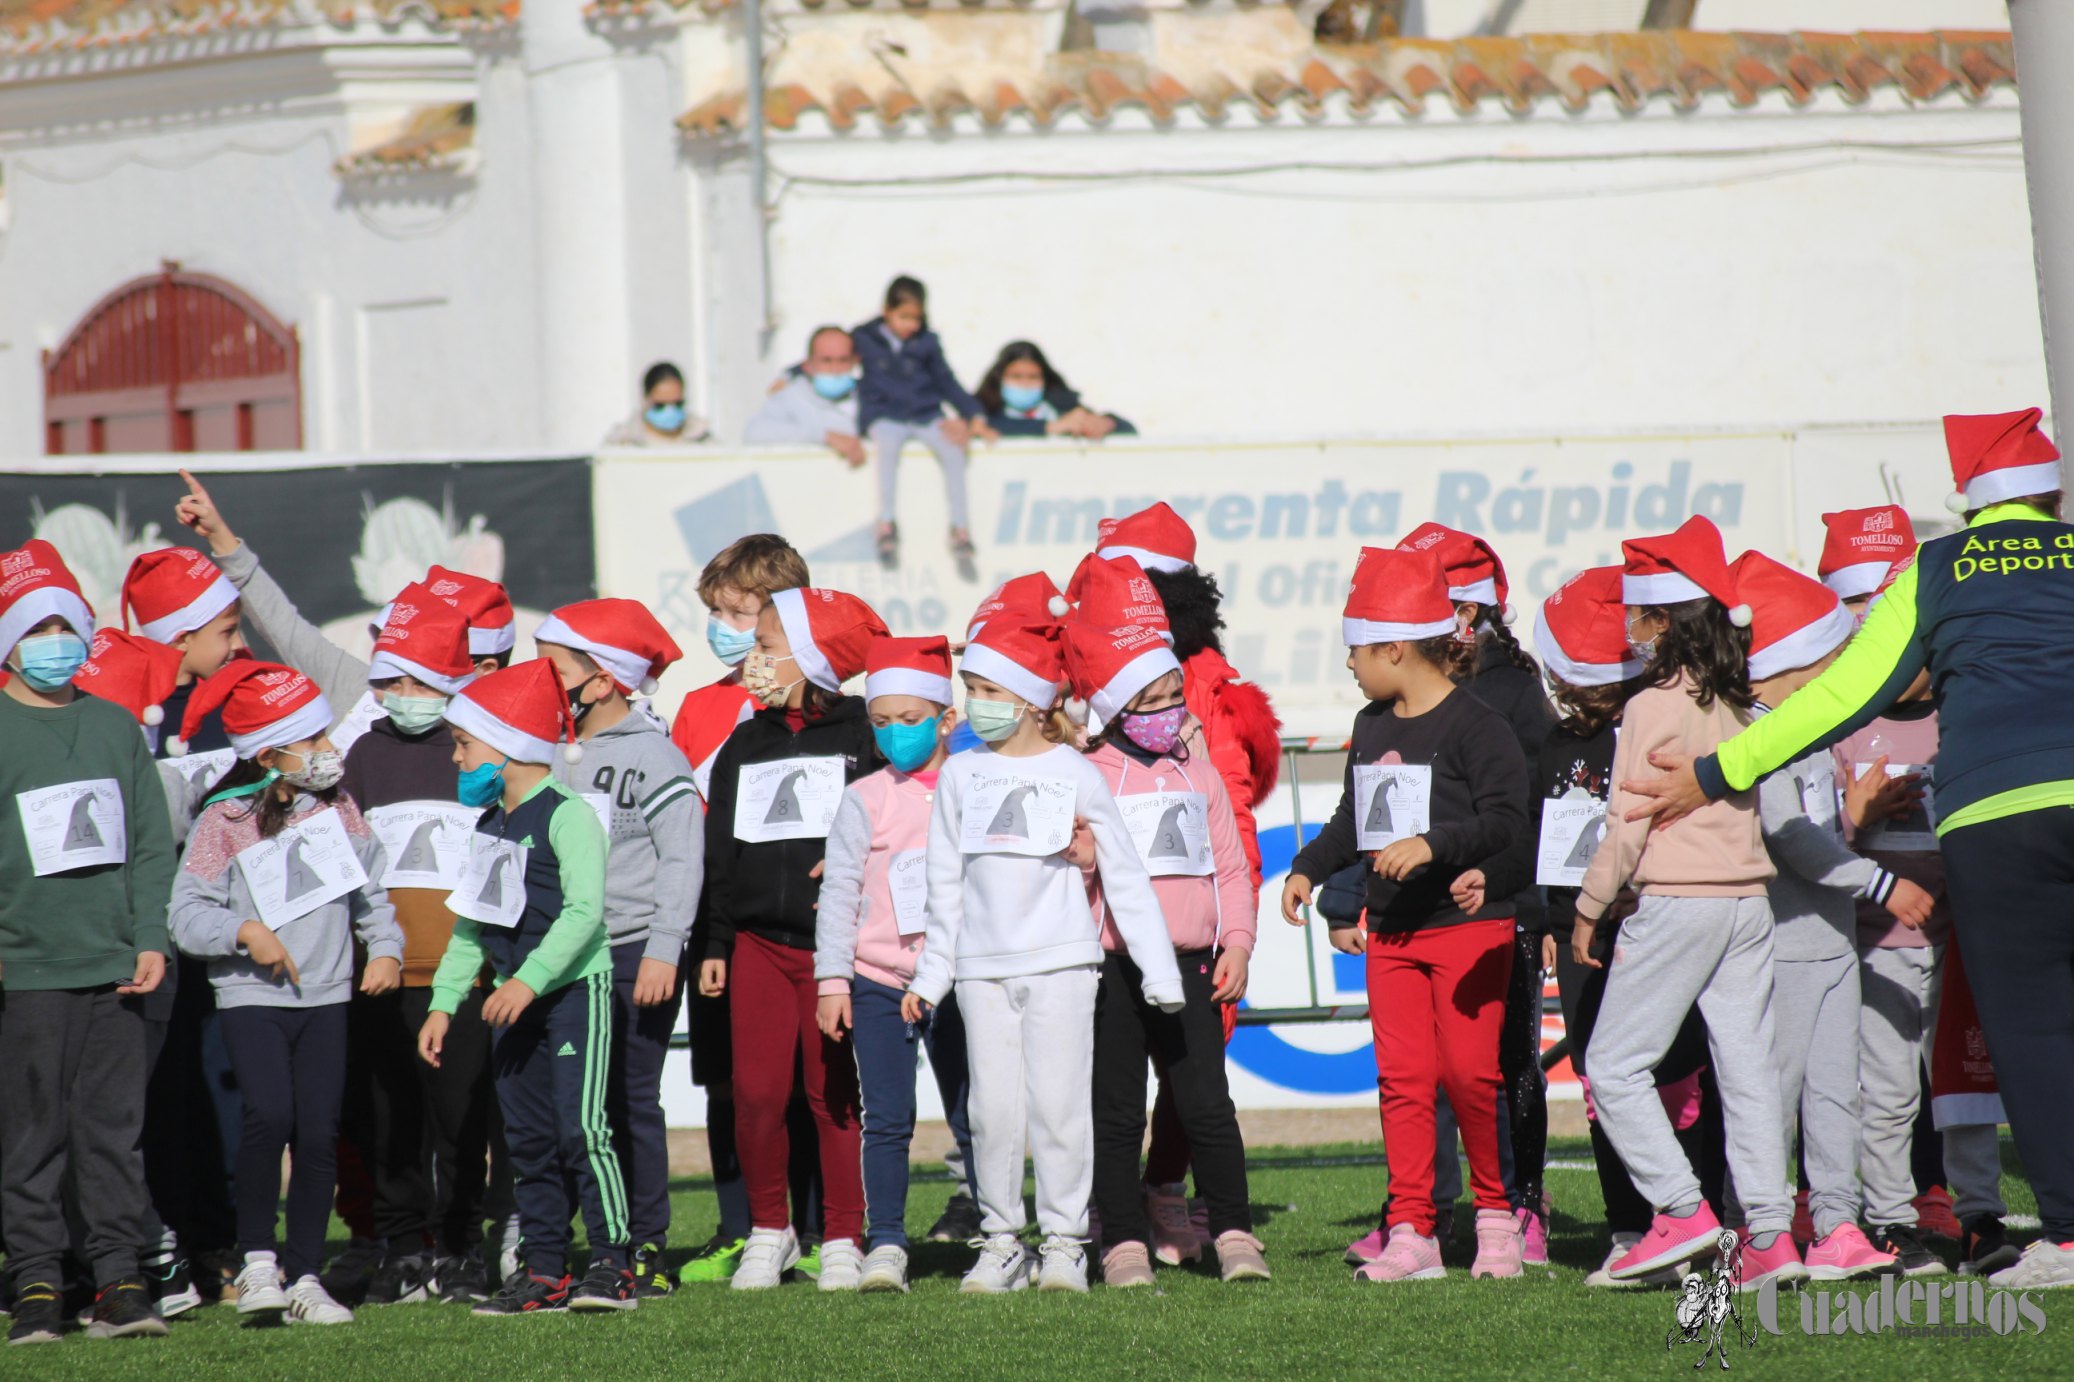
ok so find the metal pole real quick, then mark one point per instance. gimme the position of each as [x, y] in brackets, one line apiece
[752, 17]
[2043, 34]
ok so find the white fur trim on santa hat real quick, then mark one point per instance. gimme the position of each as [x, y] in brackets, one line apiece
[1805, 646]
[1659, 588]
[1483, 592]
[312, 718]
[2010, 482]
[488, 642]
[1150, 560]
[1359, 633]
[219, 596]
[799, 632]
[385, 664]
[1561, 664]
[1134, 676]
[907, 681]
[628, 670]
[1859, 578]
[1000, 668]
[38, 605]
[471, 718]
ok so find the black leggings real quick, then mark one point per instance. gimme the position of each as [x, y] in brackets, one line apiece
[291, 1066]
[1519, 1062]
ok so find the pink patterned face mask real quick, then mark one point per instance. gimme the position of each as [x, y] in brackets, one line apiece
[1157, 732]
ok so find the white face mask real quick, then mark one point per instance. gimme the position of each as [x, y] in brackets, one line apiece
[760, 677]
[321, 769]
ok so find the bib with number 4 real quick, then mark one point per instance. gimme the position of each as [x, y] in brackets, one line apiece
[789, 799]
[1392, 802]
[426, 843]
[74, 825]
[907, 877]
[299, 870]
[1571, 828]
[1006, 813]
[1171, 831]
[493, 886]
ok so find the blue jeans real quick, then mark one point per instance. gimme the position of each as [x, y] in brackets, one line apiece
[889, 1051]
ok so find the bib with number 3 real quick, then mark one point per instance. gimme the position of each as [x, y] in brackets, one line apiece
[74, 825]
[789, 799]
[1392, 802]
[907, 878]
[493, 886]
[1006, 813]
[299, 870]
[1171, 831]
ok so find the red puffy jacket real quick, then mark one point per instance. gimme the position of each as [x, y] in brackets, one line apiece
[1245, 738]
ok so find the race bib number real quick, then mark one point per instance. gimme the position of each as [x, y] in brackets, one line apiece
[299, 870]
[1571, 828]
[907, 876]
[1171, 831]
[426, 843]
[358, 720]
[791, 799]
[493, 884]
[1009, 814]
[1914, 831]
[74, 825]
[1392, 802]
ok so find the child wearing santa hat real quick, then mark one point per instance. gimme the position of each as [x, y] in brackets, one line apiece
[86, 861]
[281, 875]
[1153, 756]
[868, 930]
[1436, 786]
[178, 597]
[604, 651]
[141, 676]
[531, 906]
[775, 790]
[1009, 923]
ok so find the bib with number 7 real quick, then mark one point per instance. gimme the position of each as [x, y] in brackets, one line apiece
[493, 885]
[299, 870]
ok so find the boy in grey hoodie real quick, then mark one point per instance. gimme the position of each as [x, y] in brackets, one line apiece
[641, 786]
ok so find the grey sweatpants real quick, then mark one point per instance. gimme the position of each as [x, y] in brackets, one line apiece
[889, 437]
[1903, 990]
[1674, 952]
[1817, 1006]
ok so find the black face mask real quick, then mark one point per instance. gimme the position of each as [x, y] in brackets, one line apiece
[578, 706]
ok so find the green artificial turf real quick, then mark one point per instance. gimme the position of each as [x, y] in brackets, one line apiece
[1313, 1320]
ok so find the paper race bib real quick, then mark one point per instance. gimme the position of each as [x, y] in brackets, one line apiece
[1571, 828]
[1171, 831]
[1913, 832]
[74, 825]
[1392, 802]
[426, 842]
[600, 803]
[201, 771]
[791, 799]
[299, 870]
[1006, 813]
[907, 876]
[364, 713]
[493, 884]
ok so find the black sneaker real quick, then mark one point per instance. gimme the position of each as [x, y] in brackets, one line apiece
[605, 1287]
[959, 1222]
[346, 1277]
[1443, 1224]
[1911, 1254]
[122, 1310]
[651, 1278]
[1988, 1248]
[462, 1280]
[215, 1275]
[39, 1314]
[173, 1291]
[526, 1294]
[402, 1279]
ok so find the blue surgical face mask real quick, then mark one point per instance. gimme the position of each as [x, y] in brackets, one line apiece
[49, 660]
[482, 785]
[833, 387]
[728, 643]
[908, 747]
[1022, 397]
[665, 417]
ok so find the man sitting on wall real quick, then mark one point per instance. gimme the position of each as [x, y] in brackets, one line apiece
[818, 404]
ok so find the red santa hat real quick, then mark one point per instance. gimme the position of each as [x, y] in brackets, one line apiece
[1114, 591]
[1797, 619]
[621, 636]
[1689, 564]
[134, 673]
[172, 591]
[521, 711]
[423, 637]
[35, 585]
[1156, 538]
[1109, 665]
[264, 705]
[1581, 631]
[1396, 596]
[830, 632]
[1024, 658]
[1859, 547]
[1028, 599]
[1997, 457]
[1474, 573]
[492, 625]
[705, 719]
[908, 667]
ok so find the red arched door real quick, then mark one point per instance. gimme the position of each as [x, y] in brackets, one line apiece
[174, 362]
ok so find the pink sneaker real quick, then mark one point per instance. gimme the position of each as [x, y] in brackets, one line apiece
[1365, 1249]
[1173, 1236]
[1533, 1233]
[1669, 1242]
[1780, 1262]
[1845, 1254]
[1803, 1221]
[1497, 1244]
[1409, 1256]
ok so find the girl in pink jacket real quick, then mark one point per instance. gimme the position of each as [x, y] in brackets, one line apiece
[1156, 762]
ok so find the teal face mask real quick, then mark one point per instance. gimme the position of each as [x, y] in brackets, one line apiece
[993, 721]
[482, 785]
[908, 747]
[413, 714]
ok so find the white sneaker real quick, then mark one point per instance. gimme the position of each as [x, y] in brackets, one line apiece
[1003, 1266]
[259, 1286]
[766, 1257]
[1065, 1265]
[1623, 1243]
[842, 1266]
[2043, 1266]
[885, 1269]
[310, 1303]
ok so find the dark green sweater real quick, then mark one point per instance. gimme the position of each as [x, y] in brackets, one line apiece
[84, 927]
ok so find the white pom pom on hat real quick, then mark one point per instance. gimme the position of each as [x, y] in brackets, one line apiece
[1740, 616]
[176, 746]
[1058, 606]
[1956, 503]
[648, 686]
[154, 715]
[572, 753]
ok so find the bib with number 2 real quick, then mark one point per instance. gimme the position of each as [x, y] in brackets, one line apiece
[1392, 802]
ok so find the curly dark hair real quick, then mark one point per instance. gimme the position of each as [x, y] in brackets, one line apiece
[267, 805]
[1591, 708]
[1192, 599]
[1492, 626]
[1704, 642]
[1445, 651]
